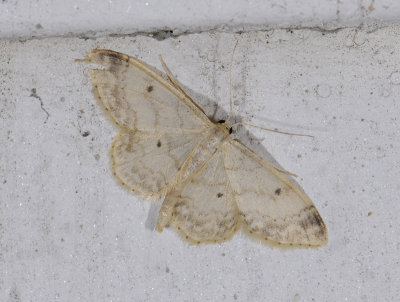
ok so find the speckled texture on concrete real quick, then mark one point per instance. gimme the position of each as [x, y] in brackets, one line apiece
[70, 232]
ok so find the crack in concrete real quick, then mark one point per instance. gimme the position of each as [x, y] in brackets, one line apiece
[34, 94]
[166, 34]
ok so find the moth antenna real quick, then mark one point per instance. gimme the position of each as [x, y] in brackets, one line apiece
[272, 130]
[171, 78]
[230, 83]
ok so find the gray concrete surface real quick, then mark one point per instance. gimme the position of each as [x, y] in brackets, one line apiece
[70, 232]
[48, 18]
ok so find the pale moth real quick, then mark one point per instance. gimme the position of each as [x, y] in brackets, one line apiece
[213, 184]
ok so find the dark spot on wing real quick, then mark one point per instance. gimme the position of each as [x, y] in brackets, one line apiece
[159, 144]
[117, 56]
[316, 220]
[311, 218]
[278, 191]
[221, 121]
[150, 88]
[115, 60]
[219, 195]
[230, 130]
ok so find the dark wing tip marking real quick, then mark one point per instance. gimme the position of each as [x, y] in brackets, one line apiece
[116, 56]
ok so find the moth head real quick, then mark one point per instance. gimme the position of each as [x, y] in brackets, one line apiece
[227, 126]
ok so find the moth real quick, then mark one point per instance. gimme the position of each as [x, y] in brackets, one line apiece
[213, 184]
